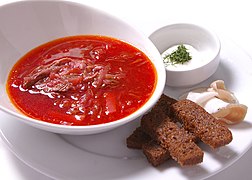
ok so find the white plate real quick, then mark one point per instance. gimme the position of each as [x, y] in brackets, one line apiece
[105, 156]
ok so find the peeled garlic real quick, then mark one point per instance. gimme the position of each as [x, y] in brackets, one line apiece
[219, 87]
[219, 102]
[232, 113]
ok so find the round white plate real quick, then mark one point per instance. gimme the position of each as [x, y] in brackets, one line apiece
[105, 156]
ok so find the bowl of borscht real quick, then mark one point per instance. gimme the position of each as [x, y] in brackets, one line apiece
[71, 69]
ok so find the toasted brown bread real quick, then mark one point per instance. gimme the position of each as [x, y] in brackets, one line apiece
[198, 121]
[174, 139]
[137, 139]
[154, 153]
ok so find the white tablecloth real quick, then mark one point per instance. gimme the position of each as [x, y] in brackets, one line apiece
[231, 18]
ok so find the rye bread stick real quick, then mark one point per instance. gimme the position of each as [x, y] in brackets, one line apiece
[198, 121]
[174, 139]
[137, 139]
[154, 153]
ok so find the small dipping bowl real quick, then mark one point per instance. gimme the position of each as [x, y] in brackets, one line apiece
[205, 42]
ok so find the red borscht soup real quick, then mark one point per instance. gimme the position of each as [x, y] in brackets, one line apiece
[81, 80]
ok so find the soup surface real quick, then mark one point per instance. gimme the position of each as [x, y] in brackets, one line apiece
[81, 80]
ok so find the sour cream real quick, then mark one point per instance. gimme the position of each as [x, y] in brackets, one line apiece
[196, 61]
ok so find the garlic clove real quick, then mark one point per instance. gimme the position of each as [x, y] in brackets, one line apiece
[218, 84]
[199, 96]
[225, 95]
[219, 87]
[232, 114]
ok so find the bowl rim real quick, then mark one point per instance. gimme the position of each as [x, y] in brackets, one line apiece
[65, 129]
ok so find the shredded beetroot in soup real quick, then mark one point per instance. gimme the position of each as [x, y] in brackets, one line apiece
[81, 80]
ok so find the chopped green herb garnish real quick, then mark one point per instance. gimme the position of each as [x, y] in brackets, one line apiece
[178, 56]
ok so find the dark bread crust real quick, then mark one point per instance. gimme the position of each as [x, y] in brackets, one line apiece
[171, 129]
[198, 121]
[174, 139]
[137, 139]
[162, 107]
[155, 154]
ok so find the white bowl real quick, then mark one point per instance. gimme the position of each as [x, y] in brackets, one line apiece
[200, 38]
[27, 24]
